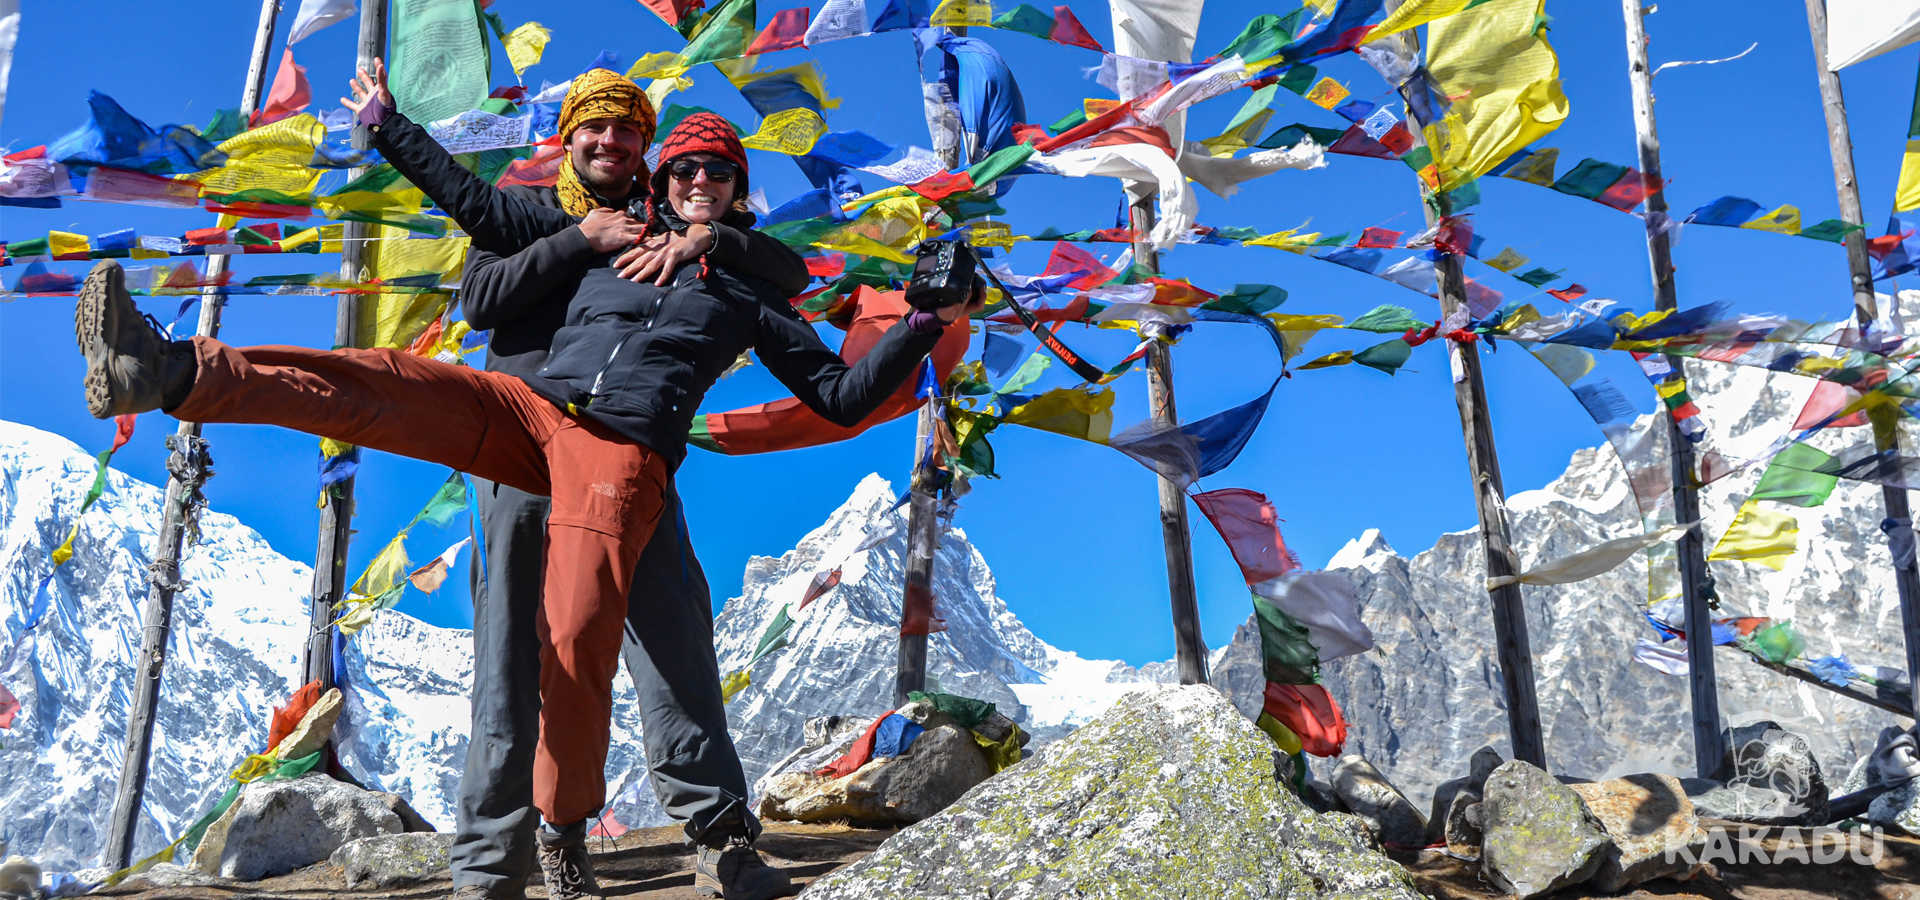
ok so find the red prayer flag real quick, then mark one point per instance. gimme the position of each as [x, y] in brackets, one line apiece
[1136, 134]
[9, 705]
[1068, 258]
[822, 583]
[1455, 235]
[941, 185]
[1378, 237]
[1569, 293]
[1627, 192]
[1178, 292]
[1251, 527]
[607, 826]
[1068, 30]
[290, 93]
[1355, 142]
[828, 266]
[673, 11]
[1397, 139]
[1309, 712]
[917, 613]
[286, 718]
[857, 755]
[540, 170]
[787, 30]
[1829, 397]
[122, 431]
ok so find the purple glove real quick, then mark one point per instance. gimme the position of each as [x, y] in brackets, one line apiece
[375, 112]
[922, 321]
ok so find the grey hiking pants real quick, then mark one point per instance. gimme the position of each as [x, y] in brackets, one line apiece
[668, 647]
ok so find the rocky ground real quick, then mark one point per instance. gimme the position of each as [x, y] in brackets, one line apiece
[650, 864]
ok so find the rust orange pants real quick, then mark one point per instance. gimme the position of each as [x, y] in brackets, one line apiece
[606, 490]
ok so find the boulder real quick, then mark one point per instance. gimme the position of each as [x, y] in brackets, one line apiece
[1744, 803]
[1484, 761]
[1890, 770]
[167, 875]
[940, 765]
[1539, 835]
[1651, 829]
[1367, 793]
[1170, 793]
[1763, 754]
[393, 860]
[825, 738]
[1465, 826]
[19, 876]
[275, 827]
[314, 728]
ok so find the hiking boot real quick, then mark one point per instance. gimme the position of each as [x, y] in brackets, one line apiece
[564, 863]
[733, 871]
[131, 366]
[482, 892]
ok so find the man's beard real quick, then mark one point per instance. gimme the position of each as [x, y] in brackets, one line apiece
[615, 189]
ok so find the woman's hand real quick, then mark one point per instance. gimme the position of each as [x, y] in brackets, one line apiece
[659, 257]
[366, 88]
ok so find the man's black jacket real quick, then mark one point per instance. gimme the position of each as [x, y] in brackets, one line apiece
[637, 357]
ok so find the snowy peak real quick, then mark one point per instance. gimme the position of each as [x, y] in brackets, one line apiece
[1361, 552]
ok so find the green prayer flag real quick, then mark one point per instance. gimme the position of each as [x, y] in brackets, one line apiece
[675, 113]
[450, 499]
[439, 63]
[1387, 357]
[29, 247]
[1590, 178]
[1830, 230]
[966, 712]
[1026, 20]
[225, 124]
[774, 637]
[1289, 135]
[1000, 162]
[1251, 299]
[1794, 477]
[1300, 79]
[1387, 319]
[1287, 654]
[1257, 103]
[1074, 119]
[1538, 276]
[1418, 158]
[1263, 37]
[723, 33]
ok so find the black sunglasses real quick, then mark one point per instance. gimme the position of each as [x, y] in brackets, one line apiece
[717, 169]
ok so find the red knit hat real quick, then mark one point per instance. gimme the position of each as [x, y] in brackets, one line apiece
[702, 132]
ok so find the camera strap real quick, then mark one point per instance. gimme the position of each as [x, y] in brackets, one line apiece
[1086, 370]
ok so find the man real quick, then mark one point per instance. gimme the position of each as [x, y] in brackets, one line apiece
[607, 124]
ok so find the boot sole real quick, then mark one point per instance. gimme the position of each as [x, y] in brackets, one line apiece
[94, 318]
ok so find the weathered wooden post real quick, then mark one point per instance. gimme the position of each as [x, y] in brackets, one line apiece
[187, 469]
[1708, 746]
[1885, 421]
[1476, 426]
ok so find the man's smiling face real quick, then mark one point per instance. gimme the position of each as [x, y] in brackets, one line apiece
[607, 153]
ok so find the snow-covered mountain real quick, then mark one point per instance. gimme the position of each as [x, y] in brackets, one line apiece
[239, 624]
[1430, 693]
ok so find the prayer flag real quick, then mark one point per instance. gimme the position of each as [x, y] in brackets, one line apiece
[1725, 211]
[1862, 29]
[1785, 220]
[1068, 30]
[1250, 525]
[1589, 179]
[525, 45]
[1795, 477]
[429, 577]
[1414, 13]
[837, 19]
[1496, 62]
[439, 62]
[1907, 194]
[787, 30]
[722, 33]
[1761, 535]
[315, 15]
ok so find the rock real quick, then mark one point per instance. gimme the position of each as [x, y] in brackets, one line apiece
[314, 728]
[166, 874]
[392, 860]
[1651, 826]
[942, 763]
[826, 738]
[19, 876]
[1464, 826]
[278, 826]
[1765, 755]
[410, 819]
[1745, 803]
[1891, 769]
[1539, 835]
[1484, 761]
[1169, 793]
[1366, 793]
[1354, 827]
[1898, 808]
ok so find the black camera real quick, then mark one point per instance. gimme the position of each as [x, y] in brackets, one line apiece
[945, 273]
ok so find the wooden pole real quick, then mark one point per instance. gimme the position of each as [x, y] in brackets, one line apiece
[923, 508]
[1476, 426]
[1885, 421]
[336, 518]
[187, 469]
[1189, 647]
[1708, 745]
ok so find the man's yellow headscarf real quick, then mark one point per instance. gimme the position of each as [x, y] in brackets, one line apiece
[600, 94]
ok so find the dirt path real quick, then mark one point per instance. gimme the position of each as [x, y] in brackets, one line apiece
[653, 864]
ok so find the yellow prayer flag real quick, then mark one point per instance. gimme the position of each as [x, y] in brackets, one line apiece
[1336, 358]
[64, 552]
[525, 44]
[1494, 60]
[963, 13]
[1765, 535]
[990, 234]
[332, 238]
[1413, 14]
[385, 571]
[1507, 260]
[394, 320]
[1290, 240]
[1069, 411]
[1567, 362]
[1283, 737]
[1537, 168]
[1320, 7]
[1907, 196]
[889, 229]
[60, 243]
[1785, 220]
[351, 623]
[274, 157]
[658, 64]
[790, 131]
[1327, 93]
[733, 684]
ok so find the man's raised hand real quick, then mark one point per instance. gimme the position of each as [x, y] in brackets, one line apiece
[366, 87]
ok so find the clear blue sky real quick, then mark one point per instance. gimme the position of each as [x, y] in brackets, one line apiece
[1070, 528]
